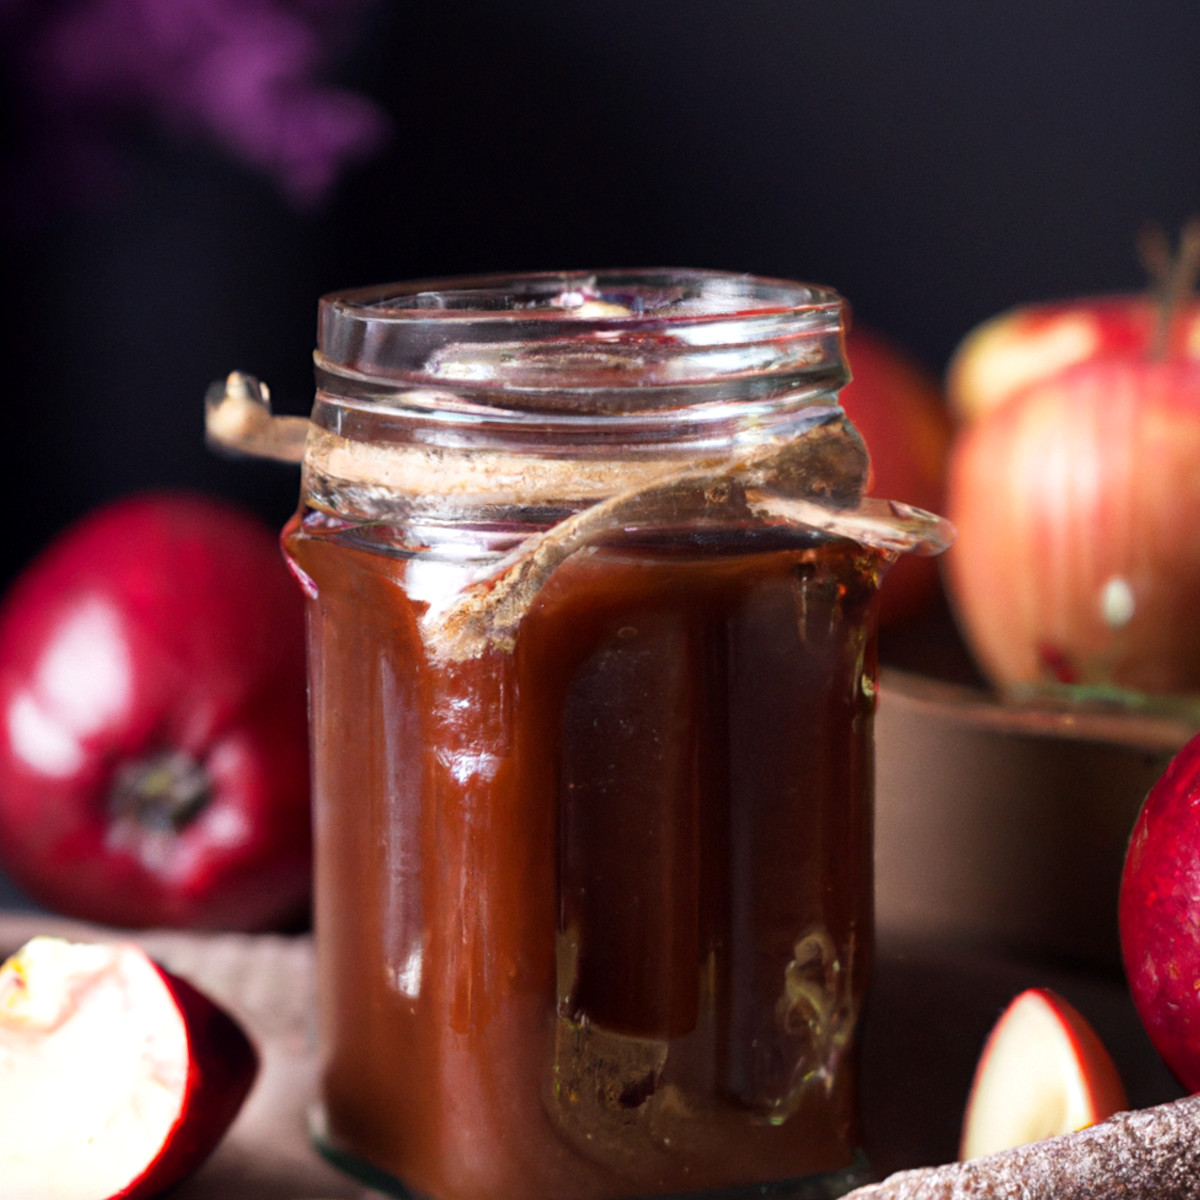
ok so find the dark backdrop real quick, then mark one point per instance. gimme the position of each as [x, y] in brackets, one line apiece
[935, 161]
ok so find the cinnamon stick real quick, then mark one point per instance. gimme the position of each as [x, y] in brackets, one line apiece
[1144, 1154]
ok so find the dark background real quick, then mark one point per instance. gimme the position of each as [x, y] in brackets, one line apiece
[935, 161]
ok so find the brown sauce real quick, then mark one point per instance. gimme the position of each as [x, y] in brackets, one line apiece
[594, 915]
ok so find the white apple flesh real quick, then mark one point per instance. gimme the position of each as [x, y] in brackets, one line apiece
[1043, 1072]
[116, 1079]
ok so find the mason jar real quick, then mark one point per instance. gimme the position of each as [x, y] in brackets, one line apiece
[592, 589]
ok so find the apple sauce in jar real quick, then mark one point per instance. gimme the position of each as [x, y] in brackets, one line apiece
[592, 590]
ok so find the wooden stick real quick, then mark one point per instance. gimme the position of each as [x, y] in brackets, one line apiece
[1145, 1154]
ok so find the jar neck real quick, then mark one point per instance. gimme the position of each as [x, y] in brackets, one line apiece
[419, 457]
[553, 392]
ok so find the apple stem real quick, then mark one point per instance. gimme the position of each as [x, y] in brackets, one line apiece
[165, 792]
[1174, 276]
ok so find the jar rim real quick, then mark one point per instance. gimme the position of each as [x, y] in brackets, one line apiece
[658, 295]
[559, 336]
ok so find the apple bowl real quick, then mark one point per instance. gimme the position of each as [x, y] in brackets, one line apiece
[1004, 825]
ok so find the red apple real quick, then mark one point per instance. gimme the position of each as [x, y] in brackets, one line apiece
[1076, 504]
[1160, 915]
[153, 740]
[1043, 1072]
[1024, 345]
[116, 1078]
[897, 406]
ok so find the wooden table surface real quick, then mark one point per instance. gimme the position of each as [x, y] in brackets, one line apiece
[931, 1007]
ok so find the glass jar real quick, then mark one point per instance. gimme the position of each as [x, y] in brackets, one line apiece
[592, 590]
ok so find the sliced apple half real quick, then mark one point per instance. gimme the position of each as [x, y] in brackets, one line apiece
[117, 1079]
[1043, 1072]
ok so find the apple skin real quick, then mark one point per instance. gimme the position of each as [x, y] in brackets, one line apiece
[186, 1069]
[1006, 353]
[897, 406]
[153, 728]
[1159, 915]
[222, 1067]
[1043, 1072]
[1075, 504]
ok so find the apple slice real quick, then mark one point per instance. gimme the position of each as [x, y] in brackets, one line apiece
[1043, 1072]
[117, 1079]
